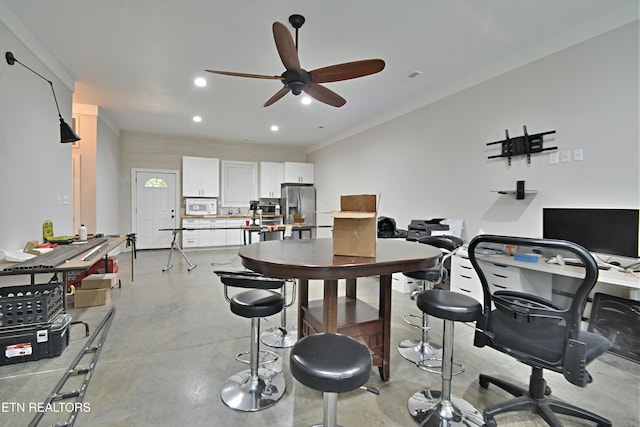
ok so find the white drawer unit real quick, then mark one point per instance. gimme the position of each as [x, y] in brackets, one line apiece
[190, 237]
[464, 278]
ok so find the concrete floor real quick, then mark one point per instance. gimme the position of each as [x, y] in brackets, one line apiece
[173, 340]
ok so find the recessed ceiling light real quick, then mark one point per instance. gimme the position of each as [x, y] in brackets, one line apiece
[274, 128]
[197, 119]
[305, 100]
[200, 81]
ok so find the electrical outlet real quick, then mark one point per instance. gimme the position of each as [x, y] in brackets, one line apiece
[578, 154]
[554, 158]
[565, 156]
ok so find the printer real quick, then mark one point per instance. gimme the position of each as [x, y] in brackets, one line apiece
[420, 228]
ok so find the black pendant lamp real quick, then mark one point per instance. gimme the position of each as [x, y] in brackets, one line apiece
[67, 134]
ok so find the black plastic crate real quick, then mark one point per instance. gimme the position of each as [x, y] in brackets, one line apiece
[30, 304]
[35, 342]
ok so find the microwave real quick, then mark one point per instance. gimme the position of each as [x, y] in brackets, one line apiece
[201, 206]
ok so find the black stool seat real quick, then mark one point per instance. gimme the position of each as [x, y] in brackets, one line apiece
[428, 275]
[331, 363]
[449, 305]
[256, 303]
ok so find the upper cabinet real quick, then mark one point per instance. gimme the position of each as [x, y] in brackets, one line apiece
[200, 177]
[271, 176]
[239, 183]
[300, 173]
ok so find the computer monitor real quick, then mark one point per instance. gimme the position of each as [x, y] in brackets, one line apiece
[603, 231]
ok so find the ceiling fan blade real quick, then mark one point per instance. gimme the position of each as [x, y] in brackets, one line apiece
[282, 92]
[253, 76]
[347, 70]
[325, 95]
[286, 48]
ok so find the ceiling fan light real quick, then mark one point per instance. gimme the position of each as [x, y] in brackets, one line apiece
[305, 100]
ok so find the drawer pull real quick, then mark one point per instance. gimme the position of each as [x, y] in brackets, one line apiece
[465, 277]
[502, 276]
[466, 266]
[464, 290]
[500, 286]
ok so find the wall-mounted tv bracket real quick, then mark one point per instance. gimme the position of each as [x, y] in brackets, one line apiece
[522, 145]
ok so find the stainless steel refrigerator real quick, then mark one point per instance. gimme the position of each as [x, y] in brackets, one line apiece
[298, 199]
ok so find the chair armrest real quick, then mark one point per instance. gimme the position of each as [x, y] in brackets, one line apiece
[575, 363]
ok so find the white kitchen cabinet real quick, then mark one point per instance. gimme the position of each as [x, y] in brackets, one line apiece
[190, 237]
[271, 176]
[200, 177]
[208, 236]
[300, 173]
[234, 237]
[211, 232]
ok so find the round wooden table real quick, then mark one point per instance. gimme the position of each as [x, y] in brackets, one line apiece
[314, 259]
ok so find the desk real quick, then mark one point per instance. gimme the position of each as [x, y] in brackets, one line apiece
[248, 229]
[314, 259]
[77, 262]
[465, 280]
[611, 276]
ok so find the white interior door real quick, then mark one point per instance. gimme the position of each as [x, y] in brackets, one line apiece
[155, 208]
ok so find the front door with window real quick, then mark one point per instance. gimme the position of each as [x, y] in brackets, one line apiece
[155, 208]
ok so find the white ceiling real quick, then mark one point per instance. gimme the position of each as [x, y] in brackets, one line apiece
[137, 59]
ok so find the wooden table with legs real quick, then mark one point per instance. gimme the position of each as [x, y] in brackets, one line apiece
[313, 259]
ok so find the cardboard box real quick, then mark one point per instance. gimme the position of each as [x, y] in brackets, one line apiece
[91, 297]
[100, 281]
[354, 226]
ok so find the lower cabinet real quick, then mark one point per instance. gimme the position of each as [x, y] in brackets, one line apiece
[464, 278]
[210, 232]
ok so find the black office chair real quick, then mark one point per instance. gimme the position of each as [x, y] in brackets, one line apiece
[426, 355]
[536, 331]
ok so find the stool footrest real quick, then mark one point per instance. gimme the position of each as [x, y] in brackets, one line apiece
[265, 357]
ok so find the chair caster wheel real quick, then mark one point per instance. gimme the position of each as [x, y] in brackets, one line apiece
[490, 423]
[483, 383]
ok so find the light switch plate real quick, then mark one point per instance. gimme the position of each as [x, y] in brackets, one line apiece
[554, 158]
[578, 154]
[565, 156]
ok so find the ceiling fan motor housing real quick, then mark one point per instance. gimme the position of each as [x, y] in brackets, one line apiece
[296, 82]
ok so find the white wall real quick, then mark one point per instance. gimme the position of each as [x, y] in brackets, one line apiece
[433, 162]
[108, 181]
[35, 168]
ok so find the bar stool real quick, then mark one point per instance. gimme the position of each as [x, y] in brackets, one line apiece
[441, 408]
[283, 335]
[426, 355]
[332, 364]
[257, 387]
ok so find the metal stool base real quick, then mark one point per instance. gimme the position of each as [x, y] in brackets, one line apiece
[427, 409]
[279, 337]
[242, 393]
[416, 351]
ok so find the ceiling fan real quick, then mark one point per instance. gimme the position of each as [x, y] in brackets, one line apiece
[298, 80]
